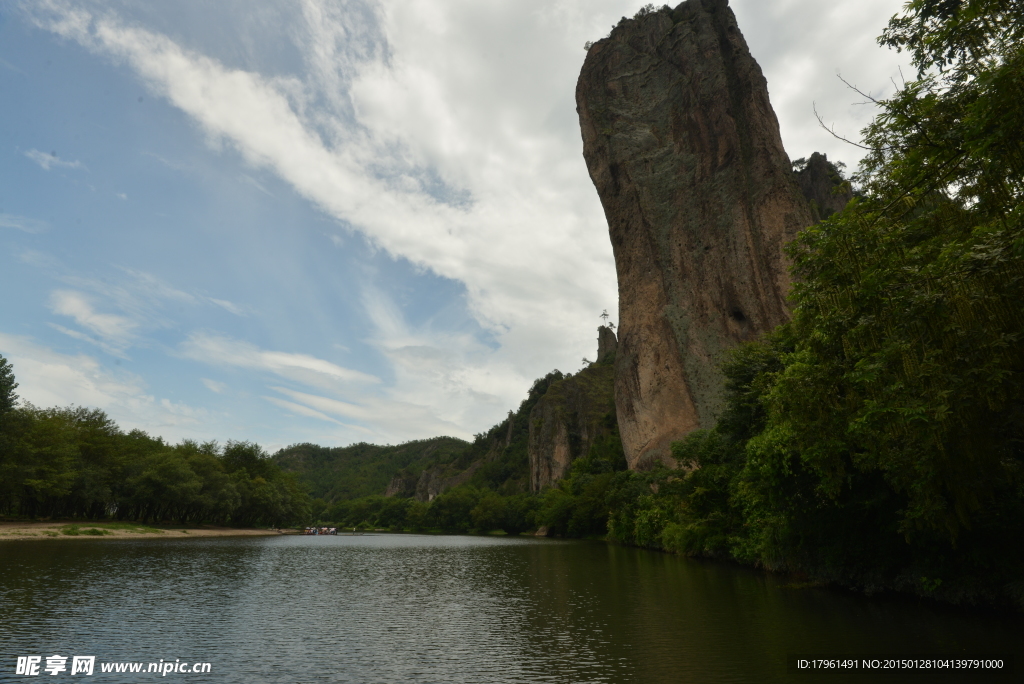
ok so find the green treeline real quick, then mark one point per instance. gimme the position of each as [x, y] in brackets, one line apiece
[76, 463]
[333, 473]
[458, 510]
[485, 483]
[577, 507]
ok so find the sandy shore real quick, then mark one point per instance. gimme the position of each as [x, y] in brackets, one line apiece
[18, 531]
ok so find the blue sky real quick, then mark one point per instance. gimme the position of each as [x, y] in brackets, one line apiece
[331, 221]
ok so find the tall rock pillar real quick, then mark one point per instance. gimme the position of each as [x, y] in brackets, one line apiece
[684, 149]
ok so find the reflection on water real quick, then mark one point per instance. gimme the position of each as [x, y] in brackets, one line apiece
[406, 608]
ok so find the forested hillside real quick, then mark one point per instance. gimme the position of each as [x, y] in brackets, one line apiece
[333, 474]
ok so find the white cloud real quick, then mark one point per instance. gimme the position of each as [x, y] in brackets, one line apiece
[214, 386]
[300, 410]
[49, 160]
[122, 196]
[246, 178]
[463, 379]
[142, 301]
[385, 419]
[801, 46]
[7, 65]
[328, 405]
[227, 306]
[81, 336]
[445, 132]
[524, 231]
[48, 378]
[427, 398]
[220, 350]
[115, 330]
[22, 223]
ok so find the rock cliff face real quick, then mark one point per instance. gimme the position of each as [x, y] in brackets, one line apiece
[438, 478]
[573, 413]
[607, 343]
[823, 186]
[434, 481]
[683, 146]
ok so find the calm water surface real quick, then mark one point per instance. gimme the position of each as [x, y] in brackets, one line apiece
[406, 608]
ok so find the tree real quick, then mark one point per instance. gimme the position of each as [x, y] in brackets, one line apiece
[8, 399]
[910, 348]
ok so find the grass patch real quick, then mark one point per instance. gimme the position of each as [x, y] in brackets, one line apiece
[135, 528]
[75, 530]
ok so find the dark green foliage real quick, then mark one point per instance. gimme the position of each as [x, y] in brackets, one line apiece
[8, 399]
[458, 510]
[452, 510]
[359, 470]
[76, 463]
[580, 505]
[890, 455]
[907, 322]
[374, 512]
[954, 34]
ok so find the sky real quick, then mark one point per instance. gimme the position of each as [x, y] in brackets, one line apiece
[333, 221]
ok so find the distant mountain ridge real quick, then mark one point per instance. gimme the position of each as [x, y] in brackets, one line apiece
[564, 417]
[338, 473]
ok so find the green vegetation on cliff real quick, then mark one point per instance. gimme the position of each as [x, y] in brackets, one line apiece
[484, 486]
[362, 469]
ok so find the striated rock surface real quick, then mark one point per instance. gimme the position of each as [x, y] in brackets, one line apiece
[342, 473]
[607, 343]
[822, 185]
[683, 146]
[572, 415]
[434, 481]
[401, 485]
[438, 478]
[563, 418]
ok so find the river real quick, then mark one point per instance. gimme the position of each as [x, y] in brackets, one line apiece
[409, 608]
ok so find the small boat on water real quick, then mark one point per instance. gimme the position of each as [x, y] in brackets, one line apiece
[330, 530]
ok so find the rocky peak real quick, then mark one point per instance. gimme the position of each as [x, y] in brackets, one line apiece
[572, 414]
[684, 149]
[607, 343]
[822, 184]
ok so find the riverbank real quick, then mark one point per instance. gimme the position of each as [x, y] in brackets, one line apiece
[25, 531]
